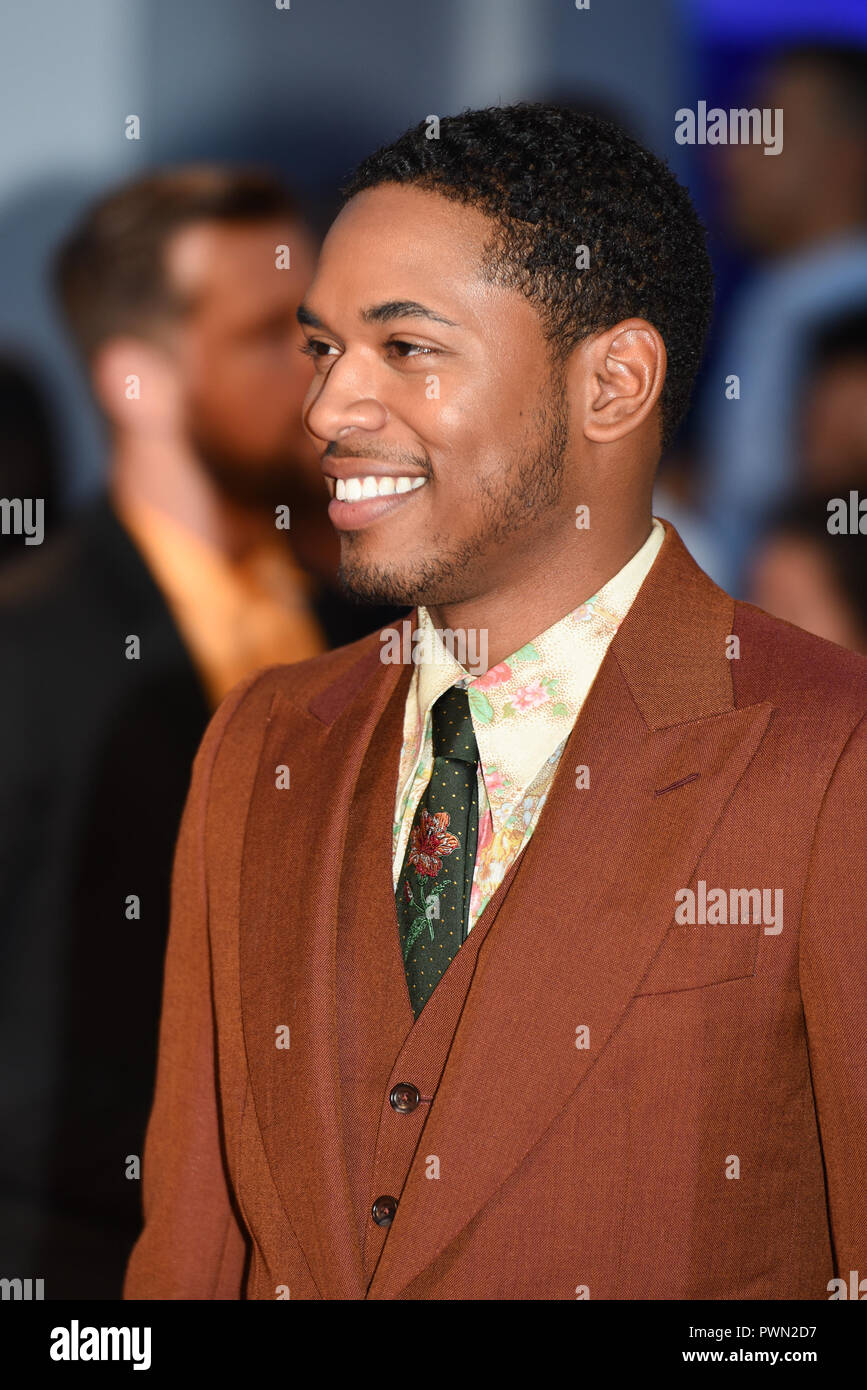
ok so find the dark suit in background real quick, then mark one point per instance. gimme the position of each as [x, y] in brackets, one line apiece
[96, 752]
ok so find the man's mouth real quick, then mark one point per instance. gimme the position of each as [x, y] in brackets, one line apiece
[359, 488]
[359, 501]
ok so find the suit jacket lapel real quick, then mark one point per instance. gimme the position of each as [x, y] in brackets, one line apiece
[591, 902]
[288, 922]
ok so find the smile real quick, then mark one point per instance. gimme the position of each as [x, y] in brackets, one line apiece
[359, 489]
[357, 502]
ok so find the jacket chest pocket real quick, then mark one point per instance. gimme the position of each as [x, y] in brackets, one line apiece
[693, 956]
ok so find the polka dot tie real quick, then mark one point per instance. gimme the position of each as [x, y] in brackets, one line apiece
[433, 891]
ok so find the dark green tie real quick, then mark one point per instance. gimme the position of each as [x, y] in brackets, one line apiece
[433, 891]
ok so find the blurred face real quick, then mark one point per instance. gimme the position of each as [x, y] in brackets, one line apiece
[774, 201]
[442, 431]
[834, 424]
[793, 580]
[243, 379]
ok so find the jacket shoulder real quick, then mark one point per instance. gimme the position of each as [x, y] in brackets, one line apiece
[324, 682]
[302, 681]
[795, 670]
[316, 689]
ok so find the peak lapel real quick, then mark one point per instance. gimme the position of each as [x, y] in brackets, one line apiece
[288, 923]
[590, 904]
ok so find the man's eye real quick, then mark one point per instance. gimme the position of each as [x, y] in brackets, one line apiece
[412, 349]
[312, 345]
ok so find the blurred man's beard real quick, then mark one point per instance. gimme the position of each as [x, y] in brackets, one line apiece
[518, 497]
[257, 484]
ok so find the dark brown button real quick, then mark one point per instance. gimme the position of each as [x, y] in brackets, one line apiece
[383, 1210]
[404, 1097]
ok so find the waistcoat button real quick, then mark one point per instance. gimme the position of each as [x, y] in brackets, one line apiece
[383, 1210]
[404, 1097]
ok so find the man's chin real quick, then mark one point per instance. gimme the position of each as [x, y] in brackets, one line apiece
[366, 584]
[423, 580]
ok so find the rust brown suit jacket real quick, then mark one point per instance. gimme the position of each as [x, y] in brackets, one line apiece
[708, 1140]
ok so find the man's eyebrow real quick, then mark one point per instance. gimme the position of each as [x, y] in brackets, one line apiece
[403, 309]
[306, 316]
[381, 313]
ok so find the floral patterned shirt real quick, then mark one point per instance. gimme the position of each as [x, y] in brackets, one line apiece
[523, 710]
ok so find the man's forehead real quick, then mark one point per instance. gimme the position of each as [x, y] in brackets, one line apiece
[396, 242]
[404, 224]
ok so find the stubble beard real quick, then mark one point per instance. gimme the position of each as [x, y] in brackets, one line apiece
[511, 501]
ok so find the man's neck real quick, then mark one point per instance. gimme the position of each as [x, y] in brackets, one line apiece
[519, 610]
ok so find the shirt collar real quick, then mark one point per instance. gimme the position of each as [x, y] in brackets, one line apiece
[524, 707]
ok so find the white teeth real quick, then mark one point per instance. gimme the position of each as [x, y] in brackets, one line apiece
[354, 489]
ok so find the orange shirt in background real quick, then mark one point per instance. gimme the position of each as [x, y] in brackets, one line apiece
[234, 615]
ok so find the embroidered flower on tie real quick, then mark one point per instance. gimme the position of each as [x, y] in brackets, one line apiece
[426, 911]
[429, 841]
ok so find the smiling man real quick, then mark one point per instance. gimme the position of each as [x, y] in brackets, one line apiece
[471, 990]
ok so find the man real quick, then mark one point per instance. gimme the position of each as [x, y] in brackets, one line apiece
[452, 1009]
[180, 291]
[812, 576]
[803, 213]
[833, 415]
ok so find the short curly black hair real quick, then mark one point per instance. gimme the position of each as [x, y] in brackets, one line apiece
[553, 179]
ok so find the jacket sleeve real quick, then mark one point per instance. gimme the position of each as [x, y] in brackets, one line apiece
[834, 992]
[192, 1245]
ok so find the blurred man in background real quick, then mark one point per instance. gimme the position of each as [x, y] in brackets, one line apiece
[833, 414]
[116, 642]
[174, 297]
[813, 577]
[804, 213]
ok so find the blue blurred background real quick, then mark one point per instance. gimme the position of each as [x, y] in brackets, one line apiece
[311, 90]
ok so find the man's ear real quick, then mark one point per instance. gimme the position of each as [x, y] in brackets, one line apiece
[623, 372]
[136, 384]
